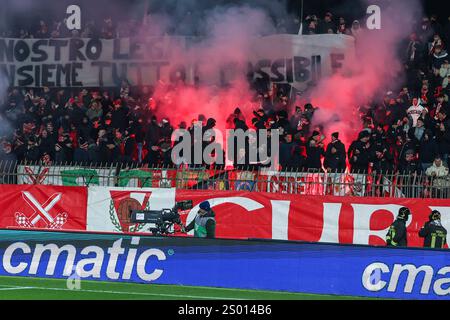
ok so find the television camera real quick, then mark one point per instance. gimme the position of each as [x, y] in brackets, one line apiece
[161, 222]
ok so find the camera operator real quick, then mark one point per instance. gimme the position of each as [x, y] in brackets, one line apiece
[434, 233]
[397, 235]
[204, 224]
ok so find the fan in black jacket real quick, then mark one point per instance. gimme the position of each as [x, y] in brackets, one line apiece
[383, 161]
[359, 153]
[315, 151]
[335, 155]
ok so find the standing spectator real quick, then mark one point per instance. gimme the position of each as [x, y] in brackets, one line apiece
[124, 89]
[19, 146]
[437, 42]
[93, 151]
[106, 102]
[283, 124]
[77, 111]
[296, 118]
[94, 111]
[415, 111]
[32, 153]
[63, 149]
[410, 171]
[152, 140]
[58, 29]
[435, 25]
[335, 155]
[24, 34]
[425, 96]
[407, 143]
[52, 134]
[438, 173]
[153, 134]
[409, 164]
[236, 114]
[418, 131]
[355, 29]
[445, 86]
[359, 153]
[446, 30]
[46, 144]
[73, 134]
[428, 150]
[167, 129]
[443, 134]
[394, 110]
[108, 30]
[444, 71]
[309, 111]
[425, 31]
[382, 164]
[259, 122]
[379, 137]
[100, 150]
[383, 161]
[166, 151]
[342, 27]
[287, 148]
[43, 31]
[438, 57]
[315, 151]
[6, 152]
[119, 116]
[89, 30]
[414, 53]
[327, 24]
[81, 153]
[112, 145]
[129, 147]
[137, 132]
[311, 23]
[85, 128]
[438, 169]
[439, 105]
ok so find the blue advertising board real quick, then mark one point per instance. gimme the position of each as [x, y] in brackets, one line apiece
[262, 265]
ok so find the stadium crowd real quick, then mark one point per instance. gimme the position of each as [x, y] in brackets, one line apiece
[108, 28]
[406, 131]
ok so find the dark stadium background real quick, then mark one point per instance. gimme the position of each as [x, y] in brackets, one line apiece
[29, 11]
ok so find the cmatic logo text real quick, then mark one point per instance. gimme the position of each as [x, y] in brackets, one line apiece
[115, 262]
[376, 278]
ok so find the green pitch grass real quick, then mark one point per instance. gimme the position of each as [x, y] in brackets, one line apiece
[20, 288]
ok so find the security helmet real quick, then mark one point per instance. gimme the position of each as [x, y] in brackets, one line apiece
[403, 213]
[435, 215]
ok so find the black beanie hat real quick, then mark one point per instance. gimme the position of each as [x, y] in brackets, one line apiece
[364, 134]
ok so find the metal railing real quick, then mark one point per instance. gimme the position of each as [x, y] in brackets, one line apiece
[358, 184]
